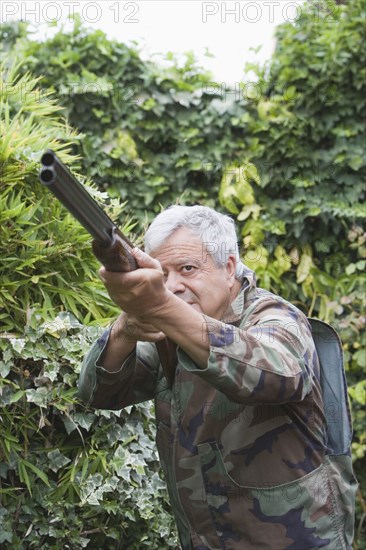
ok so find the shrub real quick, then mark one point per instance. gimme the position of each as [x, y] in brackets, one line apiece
[151, 133]
[69, 477]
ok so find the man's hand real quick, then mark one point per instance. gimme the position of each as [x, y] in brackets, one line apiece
[125, 333]
[145, 299]
[139, 293]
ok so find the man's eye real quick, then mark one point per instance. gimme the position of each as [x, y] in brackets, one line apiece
[188, 268]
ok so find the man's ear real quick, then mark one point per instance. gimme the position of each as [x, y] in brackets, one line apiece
[231, 268]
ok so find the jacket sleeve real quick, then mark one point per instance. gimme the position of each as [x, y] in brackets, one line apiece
[269, 358]
[134, 382]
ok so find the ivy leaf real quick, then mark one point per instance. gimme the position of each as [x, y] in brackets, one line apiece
[57, 460]
[40, 396]
[4, 369]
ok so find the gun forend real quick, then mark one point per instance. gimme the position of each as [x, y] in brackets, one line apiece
[110, 246]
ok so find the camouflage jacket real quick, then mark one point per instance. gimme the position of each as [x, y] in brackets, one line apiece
[242, 443]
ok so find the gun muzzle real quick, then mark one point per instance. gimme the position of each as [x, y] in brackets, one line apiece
[76, 199]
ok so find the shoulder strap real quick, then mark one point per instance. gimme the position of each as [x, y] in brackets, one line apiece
[334, 386]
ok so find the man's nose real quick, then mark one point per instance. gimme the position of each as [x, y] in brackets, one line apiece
[174, 283]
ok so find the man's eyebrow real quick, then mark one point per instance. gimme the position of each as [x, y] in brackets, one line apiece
[188, 260]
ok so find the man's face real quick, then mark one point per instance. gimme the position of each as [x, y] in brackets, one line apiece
[191, 274]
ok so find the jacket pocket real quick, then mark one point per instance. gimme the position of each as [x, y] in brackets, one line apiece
[298, 515]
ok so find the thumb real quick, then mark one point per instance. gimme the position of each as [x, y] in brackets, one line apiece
[144, 260]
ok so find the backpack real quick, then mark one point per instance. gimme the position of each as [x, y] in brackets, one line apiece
[334, 387]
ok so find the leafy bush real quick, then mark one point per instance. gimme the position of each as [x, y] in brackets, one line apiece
[69, 477]
[306, 130]
[72, 477]
[35, 273]
[150, 134]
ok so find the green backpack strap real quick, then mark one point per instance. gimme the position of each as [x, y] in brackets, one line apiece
[334, 387]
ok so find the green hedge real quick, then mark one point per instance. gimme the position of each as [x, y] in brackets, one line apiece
[69, 477]
[148, 132]
[72, 477]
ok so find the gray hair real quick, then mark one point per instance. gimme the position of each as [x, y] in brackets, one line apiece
[216, 231]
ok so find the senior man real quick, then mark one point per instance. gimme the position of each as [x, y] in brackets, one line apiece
[241, 433]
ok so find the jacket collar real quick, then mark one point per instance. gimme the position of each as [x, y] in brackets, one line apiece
[236, 309]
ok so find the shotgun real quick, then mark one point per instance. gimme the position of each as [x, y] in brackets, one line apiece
[112, 248]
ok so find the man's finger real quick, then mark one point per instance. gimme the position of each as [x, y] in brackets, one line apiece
[111, 277]
[144, 260]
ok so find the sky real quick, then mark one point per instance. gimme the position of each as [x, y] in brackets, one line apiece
[234, 32]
